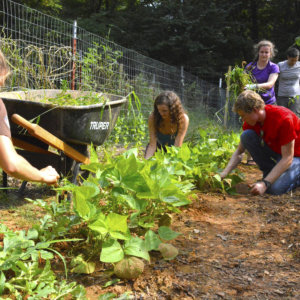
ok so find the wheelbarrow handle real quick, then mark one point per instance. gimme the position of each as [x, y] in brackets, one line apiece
[29, 147]
[50, 139]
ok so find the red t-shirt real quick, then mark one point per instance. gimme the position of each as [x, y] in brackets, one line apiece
[280, 127]
[4, 123]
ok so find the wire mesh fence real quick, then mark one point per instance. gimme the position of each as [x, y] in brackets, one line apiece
[45, 52]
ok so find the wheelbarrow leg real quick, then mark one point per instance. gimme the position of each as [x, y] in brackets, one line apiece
[76, 169]
[83, 149]
[76, 172]
[4, 181]
[5, 184]
[22, 188]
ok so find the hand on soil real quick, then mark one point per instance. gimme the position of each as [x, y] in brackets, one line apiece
[258, 188]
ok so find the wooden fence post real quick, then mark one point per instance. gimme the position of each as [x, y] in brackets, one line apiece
[121, 70]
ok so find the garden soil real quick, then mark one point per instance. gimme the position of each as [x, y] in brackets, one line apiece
[230, 247]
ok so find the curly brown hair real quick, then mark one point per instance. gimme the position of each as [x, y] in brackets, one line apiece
[4, 69]
[172, 101]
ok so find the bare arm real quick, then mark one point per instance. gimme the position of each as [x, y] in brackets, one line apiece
[15, 165]
[235, 159]
[270, 83]
[183, 126]
[152, 144]
[287, 152]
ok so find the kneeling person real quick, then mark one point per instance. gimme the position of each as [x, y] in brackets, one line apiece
[168, 123]
[272, 137]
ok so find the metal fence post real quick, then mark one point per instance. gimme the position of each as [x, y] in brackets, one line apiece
[73, 75]
[153, 86]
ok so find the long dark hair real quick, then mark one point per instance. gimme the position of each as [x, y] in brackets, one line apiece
[172, 101]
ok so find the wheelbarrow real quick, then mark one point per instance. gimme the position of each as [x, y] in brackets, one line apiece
[69, 129]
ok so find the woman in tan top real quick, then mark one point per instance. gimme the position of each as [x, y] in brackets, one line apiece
[10, 161]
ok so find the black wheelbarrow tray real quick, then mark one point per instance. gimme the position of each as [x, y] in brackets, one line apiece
[69, 129]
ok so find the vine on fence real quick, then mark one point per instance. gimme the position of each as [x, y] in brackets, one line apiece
[33, 67]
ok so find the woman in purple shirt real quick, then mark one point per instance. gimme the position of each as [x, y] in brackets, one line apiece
[264, 72]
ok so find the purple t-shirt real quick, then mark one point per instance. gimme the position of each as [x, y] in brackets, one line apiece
[262, 76]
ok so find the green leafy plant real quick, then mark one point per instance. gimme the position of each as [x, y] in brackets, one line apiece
[238, 78]
[201, 162]
[110, 296]
[64, 98]
[297, 41]
[35, 67]
[57, 221]
[131, 126]
[102, 71]
[25, 269]
[116, 213]
[131, 198]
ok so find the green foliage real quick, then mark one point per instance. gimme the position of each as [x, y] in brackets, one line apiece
[35, 67]
[238, 78]
[64, 98]
[175, 33]
[47, 6]
[133, 194]
[200, 163]
[131, 127]
[21, 273]
[56, 222]
[101, 70]
[80, 266]
[297, 41]
[115, 213]
[110, 296]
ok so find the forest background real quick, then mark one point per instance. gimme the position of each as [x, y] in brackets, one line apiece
[203, 36]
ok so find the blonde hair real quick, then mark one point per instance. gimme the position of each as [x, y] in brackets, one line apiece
[247, 101]
[264, 43]
[4, 69]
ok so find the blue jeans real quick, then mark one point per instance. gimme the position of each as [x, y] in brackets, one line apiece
[266, 159]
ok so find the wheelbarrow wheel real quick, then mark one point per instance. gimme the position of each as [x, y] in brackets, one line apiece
[78, 175]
